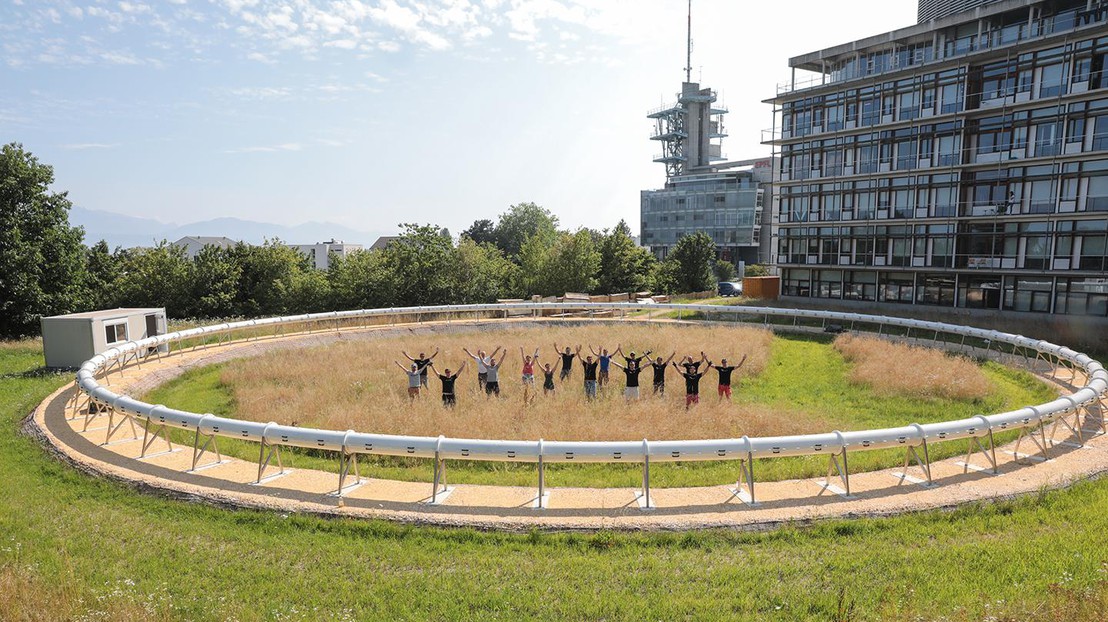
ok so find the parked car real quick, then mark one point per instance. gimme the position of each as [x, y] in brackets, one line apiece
[727, 288]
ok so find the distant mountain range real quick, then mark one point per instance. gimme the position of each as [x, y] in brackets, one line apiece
[131, 231]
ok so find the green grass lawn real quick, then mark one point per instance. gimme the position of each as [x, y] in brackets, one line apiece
[77, 548]
[805, 374]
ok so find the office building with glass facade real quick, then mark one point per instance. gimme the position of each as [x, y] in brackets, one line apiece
[961, 162]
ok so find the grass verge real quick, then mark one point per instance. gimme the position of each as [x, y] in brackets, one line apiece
[76, 548]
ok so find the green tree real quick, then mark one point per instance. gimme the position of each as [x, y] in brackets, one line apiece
[624, 266]
[757, 269]
[361, 280]
[214, 278]
[421, 261]
[156, 277]
[481, 231]
[724, 270]
[695, 255]
[41, 256]
[102, 272]
[482, 274]
[522, 222]
[570, 265]
[263, 267]
[664, 277]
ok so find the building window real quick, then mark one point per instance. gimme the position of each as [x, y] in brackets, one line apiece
[1051, 82]
[829, 284]
[115, 332]
[897, 287]
[1082, 296]
[1027, 294]
[797, 283]
[860, 286]
[935, 289]
[979, 292]
[1048, 139]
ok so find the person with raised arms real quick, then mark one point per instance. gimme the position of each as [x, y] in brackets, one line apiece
[605, 361]
[548, 377]
[492, 381]
[692, 385]
[482, 365]
[424, 362]
[567, 361]
[528, 374]
[589, 366]
[628, 358]
[449, 399]
[725, 376]
[632, 370]
[413, 379]
[693, 365]
[660, 373]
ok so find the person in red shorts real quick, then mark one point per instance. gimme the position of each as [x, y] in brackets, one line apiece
[725, 376]
[692, 385]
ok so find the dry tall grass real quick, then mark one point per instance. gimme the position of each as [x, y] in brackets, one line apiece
[898, 369]
[356, 385]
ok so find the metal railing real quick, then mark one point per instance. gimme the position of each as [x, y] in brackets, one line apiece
[1031, 421]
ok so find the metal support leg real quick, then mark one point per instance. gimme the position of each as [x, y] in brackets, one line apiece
[539, 502]
[347, 462]
[842, 469]
[644, 499]
[746, 477]
[924, 463]
[265, 457]
[149, 437]
[114, 427]
[1036, 436]
[198, 450]
[439, 479]
[1074, 428]
[989, 452]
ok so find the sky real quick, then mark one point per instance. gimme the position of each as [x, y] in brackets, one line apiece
[371, 113]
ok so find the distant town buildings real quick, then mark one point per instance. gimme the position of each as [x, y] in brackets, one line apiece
[318, 254]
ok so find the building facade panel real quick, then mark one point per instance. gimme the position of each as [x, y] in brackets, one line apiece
[971, 173]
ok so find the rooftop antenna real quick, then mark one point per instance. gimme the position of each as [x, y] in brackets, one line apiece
[688, 50]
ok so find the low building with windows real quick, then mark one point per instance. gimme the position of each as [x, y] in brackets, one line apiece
[724, 201]
[959, 163]
[320, 254]
[70, 340]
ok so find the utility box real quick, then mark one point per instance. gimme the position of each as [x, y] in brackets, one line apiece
[69, 340]
[762, 287]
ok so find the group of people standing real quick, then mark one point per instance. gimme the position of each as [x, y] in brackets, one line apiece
[596, 367]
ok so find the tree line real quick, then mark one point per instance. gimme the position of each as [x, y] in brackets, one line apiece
[45, 269]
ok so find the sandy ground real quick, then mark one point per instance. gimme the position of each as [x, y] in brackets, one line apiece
[231, 482]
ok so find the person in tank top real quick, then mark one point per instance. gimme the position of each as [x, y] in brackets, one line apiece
[529, 362]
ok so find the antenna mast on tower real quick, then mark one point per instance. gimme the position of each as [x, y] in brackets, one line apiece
[688, 49]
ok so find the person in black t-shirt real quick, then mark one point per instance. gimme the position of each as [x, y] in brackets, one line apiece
[567, 360]
[632, 371]
[692, 385]
[660, 374]
[725, 376]
[692, 365]
[424, 362]
[589, 366]
[449, 398]
[627, 359]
